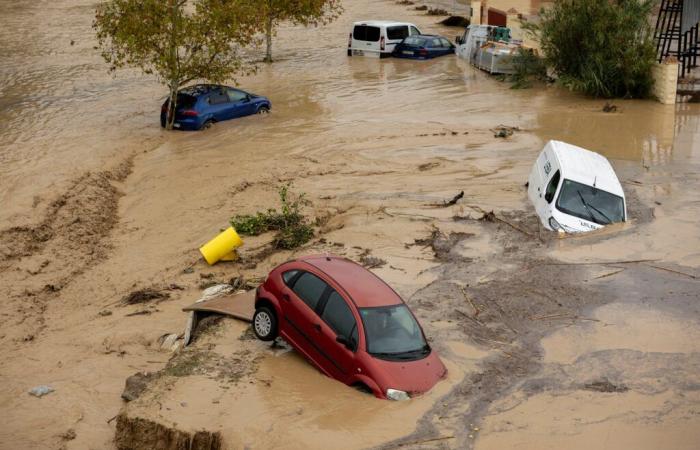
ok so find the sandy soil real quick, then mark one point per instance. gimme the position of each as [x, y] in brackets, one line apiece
[550, 342]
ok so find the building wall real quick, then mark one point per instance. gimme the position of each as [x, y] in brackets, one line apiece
[666, 81]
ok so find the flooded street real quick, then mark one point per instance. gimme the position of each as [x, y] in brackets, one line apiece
[580, 342]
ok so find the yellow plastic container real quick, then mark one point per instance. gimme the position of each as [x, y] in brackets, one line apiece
[222, 247]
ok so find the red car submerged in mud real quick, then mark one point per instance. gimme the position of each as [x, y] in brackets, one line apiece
[350, 324]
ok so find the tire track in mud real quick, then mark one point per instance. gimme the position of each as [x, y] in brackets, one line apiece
[38, 261]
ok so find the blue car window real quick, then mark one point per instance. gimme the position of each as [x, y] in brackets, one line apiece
[414, 41]
[185, 101]
[235, 95]
[217, 98]
[435, 43]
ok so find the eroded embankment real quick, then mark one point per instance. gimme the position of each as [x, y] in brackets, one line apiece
[137, 433]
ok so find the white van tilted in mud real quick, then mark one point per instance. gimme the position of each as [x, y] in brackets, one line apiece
[377, 38]
[575, 190]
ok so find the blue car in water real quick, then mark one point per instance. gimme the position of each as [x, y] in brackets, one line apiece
[423, 46]
[202, 105]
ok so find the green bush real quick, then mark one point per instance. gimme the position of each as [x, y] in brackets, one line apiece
[602, 48]
[291, 225]
[528, 68]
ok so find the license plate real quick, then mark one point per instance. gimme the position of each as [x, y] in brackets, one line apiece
[358, 53]
[406, 52]
[176, 125]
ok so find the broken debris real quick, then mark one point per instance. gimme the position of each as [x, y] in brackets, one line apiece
[455, 21]
[503, 131]
[369, 261]
[136, 384]
[454, 200]
[40, 391]
[144, 295]
[604, 385]
[609, 107]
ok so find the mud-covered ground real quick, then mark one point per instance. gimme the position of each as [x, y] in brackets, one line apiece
[583, 342]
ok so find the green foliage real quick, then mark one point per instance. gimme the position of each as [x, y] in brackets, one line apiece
[179, 41]
[304, 12]
[602, 48]
[291, 225]
[529, 68]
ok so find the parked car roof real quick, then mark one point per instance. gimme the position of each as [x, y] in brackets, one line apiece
[365, 288]
[378, 23]
[585, 166]
[199, 89]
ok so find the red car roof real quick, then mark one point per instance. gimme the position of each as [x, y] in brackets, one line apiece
[365, 288]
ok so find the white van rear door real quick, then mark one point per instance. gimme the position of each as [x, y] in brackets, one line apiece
[365, 38]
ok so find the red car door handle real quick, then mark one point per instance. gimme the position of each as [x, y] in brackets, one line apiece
[317, 327]
[286, 297]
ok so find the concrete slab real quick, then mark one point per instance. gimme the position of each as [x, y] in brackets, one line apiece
[240, 306]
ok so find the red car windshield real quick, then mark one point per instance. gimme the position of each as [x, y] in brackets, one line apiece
[393, 333]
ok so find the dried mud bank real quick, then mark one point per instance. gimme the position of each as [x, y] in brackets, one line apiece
[72, 236]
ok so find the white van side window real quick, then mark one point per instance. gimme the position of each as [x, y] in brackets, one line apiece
[414, 31]
[397, 32]
[552, 187]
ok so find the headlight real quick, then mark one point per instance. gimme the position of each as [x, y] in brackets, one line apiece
[395, 394]
[555, 225]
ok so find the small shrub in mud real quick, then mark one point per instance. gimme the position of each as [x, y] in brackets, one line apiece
[529, 68]
[292, 227]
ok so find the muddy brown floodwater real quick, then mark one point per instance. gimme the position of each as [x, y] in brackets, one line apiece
[583, 342]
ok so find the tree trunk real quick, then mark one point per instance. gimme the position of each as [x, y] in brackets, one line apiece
[173, 84]
[268, 36]
[172, 105]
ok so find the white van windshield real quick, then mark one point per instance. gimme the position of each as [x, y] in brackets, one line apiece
[589, 203]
